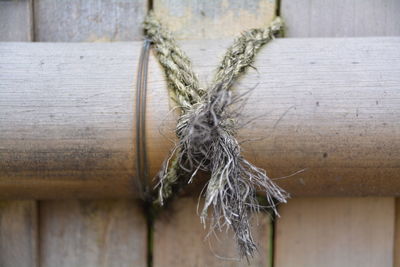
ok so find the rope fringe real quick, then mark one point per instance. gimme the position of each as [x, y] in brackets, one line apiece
[206, 130]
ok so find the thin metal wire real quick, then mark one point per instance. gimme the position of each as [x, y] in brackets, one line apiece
[141, 90]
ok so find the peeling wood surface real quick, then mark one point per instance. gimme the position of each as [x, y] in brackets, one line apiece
[18, 233]
[197, 19]
[92, 233]
[341, 18]
[179, 240]
[333, 232]
[89, 20]
[332, 106]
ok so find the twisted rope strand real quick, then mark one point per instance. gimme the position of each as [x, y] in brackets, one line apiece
[206, 131]
[241, 54]
[182, 80]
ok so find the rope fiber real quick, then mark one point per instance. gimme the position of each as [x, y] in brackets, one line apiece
[206, 133]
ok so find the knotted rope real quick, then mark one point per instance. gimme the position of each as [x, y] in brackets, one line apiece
[206, 130]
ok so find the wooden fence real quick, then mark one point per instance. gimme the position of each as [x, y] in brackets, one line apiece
[318, 231]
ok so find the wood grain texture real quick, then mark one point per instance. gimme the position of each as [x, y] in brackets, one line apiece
[314, 245]
[92, 233]
[341, 18]
[397, 235]
[58, 130]
[179, 239]
[197, 19]
[332, 107]
[18, 233]
[335, 232]
[106, 232]
[18, 219]
[16, 20]
[89, 20]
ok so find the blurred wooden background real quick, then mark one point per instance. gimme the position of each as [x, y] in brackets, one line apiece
[311, 231]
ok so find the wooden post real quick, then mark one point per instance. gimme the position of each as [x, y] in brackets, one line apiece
[329, 106]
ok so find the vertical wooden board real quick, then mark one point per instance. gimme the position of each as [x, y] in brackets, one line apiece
[18, 233]
[198, 19]
[92, 233]
[397, 235]
[18, 219]
[88, 20]
[179, 240]
[341, 18]
[179, 237]
[335, 232]
[16, 20]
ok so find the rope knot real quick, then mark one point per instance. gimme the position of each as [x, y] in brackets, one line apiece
[206, 131]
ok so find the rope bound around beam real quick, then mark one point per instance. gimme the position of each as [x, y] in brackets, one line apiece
[206, 133]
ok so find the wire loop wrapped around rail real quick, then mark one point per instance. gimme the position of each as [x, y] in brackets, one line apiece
[141, 90]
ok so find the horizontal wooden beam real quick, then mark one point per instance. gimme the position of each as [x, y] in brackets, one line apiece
[329, 107]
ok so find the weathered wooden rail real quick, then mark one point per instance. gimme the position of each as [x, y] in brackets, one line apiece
[329, 106]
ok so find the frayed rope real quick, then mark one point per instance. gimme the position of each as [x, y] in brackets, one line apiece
[206, 130]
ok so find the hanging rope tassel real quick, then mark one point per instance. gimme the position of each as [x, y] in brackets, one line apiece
[206, 131]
